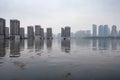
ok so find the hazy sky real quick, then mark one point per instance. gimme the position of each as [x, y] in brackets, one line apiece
[79, 14]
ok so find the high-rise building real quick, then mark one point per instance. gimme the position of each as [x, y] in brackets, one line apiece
[94, 31]
[42, 33]
[22, 33]
[119, 33]
[66, 32]
[37, 30]
[101, 31]
[62, 32]
[2, 28]
[49, 33]
[106, 31]
[30, 32]
[15, 29]
[6, 32]
[114, 32]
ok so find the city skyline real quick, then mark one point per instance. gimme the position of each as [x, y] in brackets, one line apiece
[93, 31]
[79, 14]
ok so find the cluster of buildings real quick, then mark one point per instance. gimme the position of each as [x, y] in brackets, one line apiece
[37, 32]
[33, 32]
[104, 31]
[101, 31]
[66, 32]
[83, 33]
[17, 32]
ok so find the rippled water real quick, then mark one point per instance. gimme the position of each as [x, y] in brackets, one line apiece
[76, 59]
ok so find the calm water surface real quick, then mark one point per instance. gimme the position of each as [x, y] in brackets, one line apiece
[77, 59]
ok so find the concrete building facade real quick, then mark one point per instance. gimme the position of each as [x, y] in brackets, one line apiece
[49, 34]
[37, 31]
[30, 32]
[62, 32]
[94, 30]
[66, 32]
[7, 33]
[15, 29]
[101, 31]
[2, 28]
[106, 31]
[42, 33]
[22, 33]
[119, 34]
[114, 32]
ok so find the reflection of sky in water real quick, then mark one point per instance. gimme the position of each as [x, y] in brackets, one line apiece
[85, 59]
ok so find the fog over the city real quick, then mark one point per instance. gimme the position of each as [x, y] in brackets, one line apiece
[79, 14]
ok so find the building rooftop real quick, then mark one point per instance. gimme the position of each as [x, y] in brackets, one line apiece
[14, 20]
[2, 19]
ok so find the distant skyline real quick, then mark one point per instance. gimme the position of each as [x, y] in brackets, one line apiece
[78, 14]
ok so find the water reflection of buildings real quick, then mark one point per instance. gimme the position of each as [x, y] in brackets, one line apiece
[30, 43]
[114, 44]
[66, 45]
[7, 43]
[94, 44]
[2, 48]
[105, 44]
[14, 48]
[22, 44]
[83, 42]
[49, 44]
[39, 44]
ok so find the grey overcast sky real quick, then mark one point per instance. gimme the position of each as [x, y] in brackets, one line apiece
[79, 14]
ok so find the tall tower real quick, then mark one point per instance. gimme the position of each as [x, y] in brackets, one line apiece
[114, 32]
[22, 33]
[62, 32]
[2, 28]
[49, 33]
[101, 31]
[106, 31]
[30, 32]
[6, 32]
[94, 30]
[119, 33]
[42, 33]
[66, 32]
[37, 31]
[15, 29]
